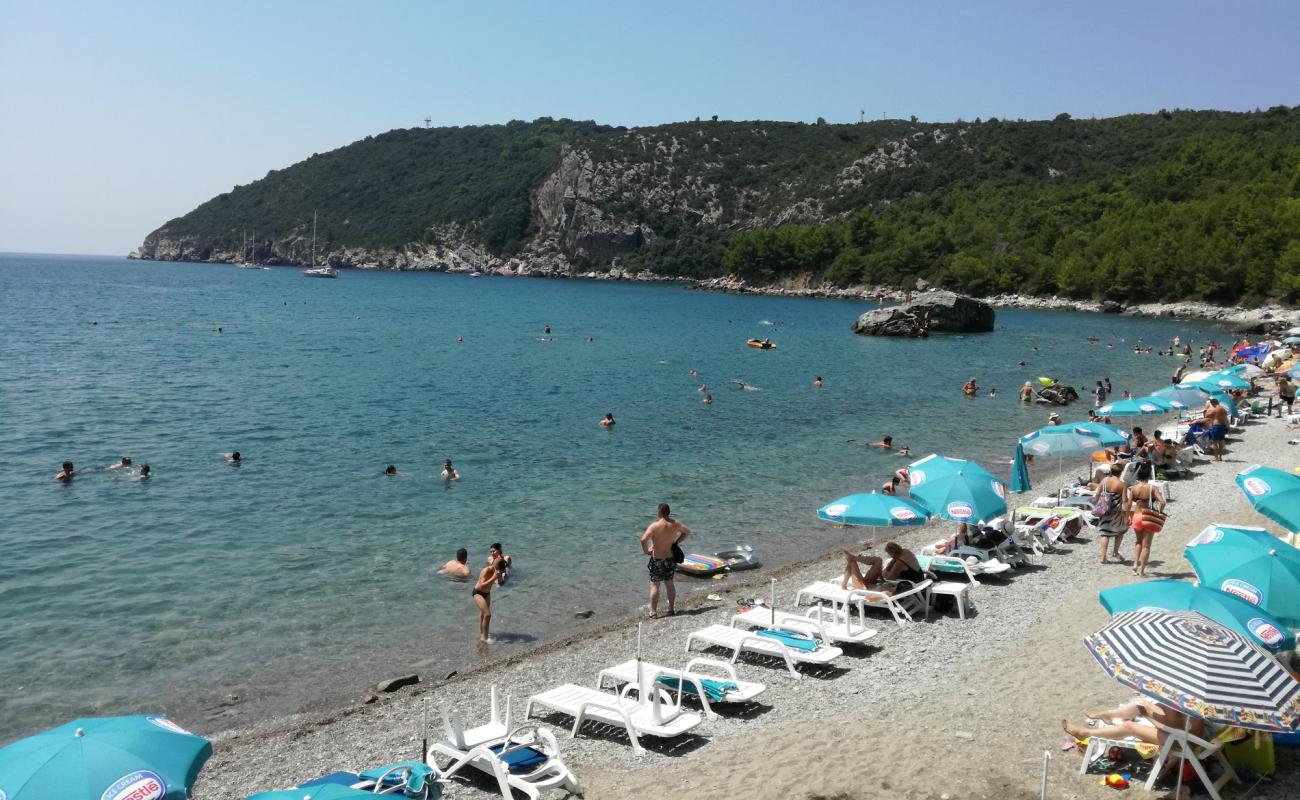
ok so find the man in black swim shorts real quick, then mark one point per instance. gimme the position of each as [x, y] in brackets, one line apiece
[657, 543]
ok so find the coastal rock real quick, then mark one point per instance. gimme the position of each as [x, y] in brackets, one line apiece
[588, 614]
[1111, 307]
[393, 684]
[948, 313]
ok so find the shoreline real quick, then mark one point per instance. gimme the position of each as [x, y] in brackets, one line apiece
[1003, 676]
[1241, 319]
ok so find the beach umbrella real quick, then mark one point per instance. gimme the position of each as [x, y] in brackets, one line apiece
[1019, 471]
[1252, 564]
[1226, 609]
[1291, 340]
[1187, 662]
[1136, 406]
[874, 510]
[1222, 382]
[1273, 493]
[956, 489]
[1073, 439]
[1195, 376]
[142, 757]
[327, 791]
[1193, 395]
[1246, 371]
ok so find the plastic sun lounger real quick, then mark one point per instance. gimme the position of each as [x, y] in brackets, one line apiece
[652, 715]
[525, 759]
[903, 606]
[406, 779]
[1196, 750]
[986, 561]
[828, 623]
[741, 641]
[691, 681]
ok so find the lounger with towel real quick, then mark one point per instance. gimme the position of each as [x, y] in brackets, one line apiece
[830, 624]
[651, 713]
[792, 646]
[708, 681]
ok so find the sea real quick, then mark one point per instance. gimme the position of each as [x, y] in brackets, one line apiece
[224, 594]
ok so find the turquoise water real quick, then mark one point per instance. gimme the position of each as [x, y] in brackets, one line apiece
[303, 575]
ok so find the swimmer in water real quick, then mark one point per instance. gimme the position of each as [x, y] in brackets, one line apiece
[886, 443]
[233, 458]
[694, 374]
[704, 387]
[458, 568]
[547, 330]
[144, 472]
[496, 551]
[608, 421]
[125, 463]
[817, 382]
[969, 388]
[904, 451]
[391, 469]
[993, 392]
[1020, 363]
[708, 399]
[460, 339]
[449, 472]
[66, 473]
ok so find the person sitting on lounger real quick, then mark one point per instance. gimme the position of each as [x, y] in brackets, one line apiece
[902, 566]
[1123, 722]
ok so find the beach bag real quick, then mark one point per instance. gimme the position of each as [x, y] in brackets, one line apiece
[1148, 520]
[678, 555]
[1104, 505]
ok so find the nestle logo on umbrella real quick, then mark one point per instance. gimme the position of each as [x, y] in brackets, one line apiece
[1208, 536]
[1243, 590]
[837, 510]
[960, 510]
[1255, 487]
[916, 477]
[139, 785]
[901, 514]
[997, 488]
[1265, 631]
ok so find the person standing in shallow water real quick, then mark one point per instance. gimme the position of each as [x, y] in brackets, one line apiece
[657, 543]
[487, 578]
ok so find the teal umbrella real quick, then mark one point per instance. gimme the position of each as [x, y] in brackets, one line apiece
[1228, 610]
[1020, 471]
[955, 489]
[1252, 564]
[1221, 382]
[1194, 395]
[109, 758]
[1273, 493]
[874, 510]
[1291, 340]
[1073, 439]
[1137, 406]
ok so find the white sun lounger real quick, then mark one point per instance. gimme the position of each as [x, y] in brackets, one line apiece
[697, 670]
[523, 759]
[903, 606]
[828, 623]
[651, 714]
[739, 641]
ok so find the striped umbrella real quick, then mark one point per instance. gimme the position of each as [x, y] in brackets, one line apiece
[1187, 662]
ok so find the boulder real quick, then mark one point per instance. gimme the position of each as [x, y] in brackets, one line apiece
[393, 684]
[948, 313]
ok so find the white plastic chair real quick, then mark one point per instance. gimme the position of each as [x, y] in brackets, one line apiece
[956, 589]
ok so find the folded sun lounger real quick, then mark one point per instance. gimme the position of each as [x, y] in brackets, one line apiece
[791, 646]
[652, 713]
[710, 682]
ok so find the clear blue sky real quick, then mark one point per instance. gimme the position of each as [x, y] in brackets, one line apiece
[117, 116]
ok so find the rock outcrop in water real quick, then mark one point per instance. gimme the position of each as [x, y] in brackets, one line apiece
[929, 312]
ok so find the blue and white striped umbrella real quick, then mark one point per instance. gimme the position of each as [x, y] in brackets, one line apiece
[1189, 663]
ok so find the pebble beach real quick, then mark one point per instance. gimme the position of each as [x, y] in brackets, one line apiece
[945, 708]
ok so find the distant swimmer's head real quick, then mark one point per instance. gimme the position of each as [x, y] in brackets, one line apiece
[67, 466]
[391, 469]
[462, 555]
[446, 464]
[126, 461]
[664, 511]
[144, 471]
[888, 441]
[234, 456]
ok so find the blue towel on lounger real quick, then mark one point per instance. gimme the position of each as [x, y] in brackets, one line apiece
[714, 691]
[795, 641]
[521, 759]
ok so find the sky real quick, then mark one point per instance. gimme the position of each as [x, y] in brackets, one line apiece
[118, 116]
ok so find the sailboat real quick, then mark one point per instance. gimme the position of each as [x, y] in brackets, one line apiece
[317, 272]
[251, 261]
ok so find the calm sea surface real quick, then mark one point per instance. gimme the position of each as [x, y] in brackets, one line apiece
[303, 575]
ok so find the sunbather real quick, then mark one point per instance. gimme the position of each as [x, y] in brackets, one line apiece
[902, 566]
[1124, 722]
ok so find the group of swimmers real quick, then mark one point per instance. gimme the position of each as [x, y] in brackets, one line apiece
[449, 472]
[127, 467]
[495, 572]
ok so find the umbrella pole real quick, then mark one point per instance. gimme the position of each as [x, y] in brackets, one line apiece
[773, 595]
[424, 729]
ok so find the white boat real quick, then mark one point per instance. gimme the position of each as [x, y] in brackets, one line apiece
[325, 271]
[476, 274]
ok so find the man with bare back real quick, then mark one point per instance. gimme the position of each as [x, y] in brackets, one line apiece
[657, 543]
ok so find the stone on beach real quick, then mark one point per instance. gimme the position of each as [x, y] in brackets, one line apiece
[393, 684]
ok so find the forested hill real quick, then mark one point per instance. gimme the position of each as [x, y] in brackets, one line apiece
[1181, 204]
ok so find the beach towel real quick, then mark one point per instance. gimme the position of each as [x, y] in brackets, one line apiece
[792, 640]
[714, 691]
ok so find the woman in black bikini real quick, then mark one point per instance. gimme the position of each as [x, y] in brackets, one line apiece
[903, 566]
[483, 594]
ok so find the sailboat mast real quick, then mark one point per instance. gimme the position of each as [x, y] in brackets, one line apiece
[313, 240]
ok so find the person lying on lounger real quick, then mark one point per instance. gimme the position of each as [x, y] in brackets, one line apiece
[1118, 723]
[902, 566]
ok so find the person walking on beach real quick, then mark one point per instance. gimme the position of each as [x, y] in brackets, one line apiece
[657, 542]
[1216, 420]
[1285, 394]
[1146, 515]
[487, 578]
[1108, 506]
